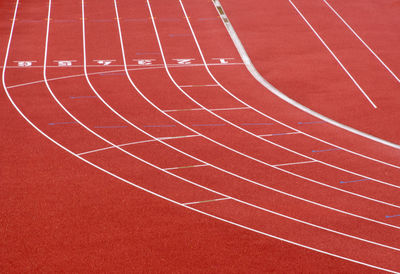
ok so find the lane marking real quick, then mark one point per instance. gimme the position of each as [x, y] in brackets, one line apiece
[362, 41]
[278, 134]
[392, 216]
[296, 163]
[254, 72]
[360, 180]
[324, 150]
[183, 167]
[334, 56]
[61, 123]
[212, 109]
[138, 142]
[207, 201]
[149, 67]
[151, 192]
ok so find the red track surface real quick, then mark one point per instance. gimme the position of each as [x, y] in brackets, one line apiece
[316, 200]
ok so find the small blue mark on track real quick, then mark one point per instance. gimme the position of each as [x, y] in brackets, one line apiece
[392, 216]
[61, 123]
[345, 182]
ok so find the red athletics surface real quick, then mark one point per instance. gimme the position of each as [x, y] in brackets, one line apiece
[291, 57]
[122, 152]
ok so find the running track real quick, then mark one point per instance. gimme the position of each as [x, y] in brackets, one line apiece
[135, 138]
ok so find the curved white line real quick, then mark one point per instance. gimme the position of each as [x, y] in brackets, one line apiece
[362, 41]
[253, 71]
[259, 112]
[238, 152]
[269, 117]
[139, 187]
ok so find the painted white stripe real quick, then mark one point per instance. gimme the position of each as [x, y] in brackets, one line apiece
[183, 167]
[213, 109]
[206, 201]
[333, 54]
[250, 67]
[144, 189]
[296, 163]
[138, 142]
[362, 41]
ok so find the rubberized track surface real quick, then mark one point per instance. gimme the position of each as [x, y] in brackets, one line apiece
[134, 138]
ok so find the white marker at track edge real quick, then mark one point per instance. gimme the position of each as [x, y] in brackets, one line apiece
[250, 67]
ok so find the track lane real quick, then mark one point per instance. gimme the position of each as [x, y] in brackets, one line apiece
[10, 98]
[212, 50]
[294, 43]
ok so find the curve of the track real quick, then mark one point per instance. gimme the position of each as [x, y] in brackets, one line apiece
[60, 90]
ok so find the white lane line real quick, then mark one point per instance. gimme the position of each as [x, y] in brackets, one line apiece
[362, 41]
[254, 72]
[334, 56]
[146, 190]
[135, 143]
[193, 86]
[296, 163]
[183, 167]
[206, 201]
[246, 131]
[212, 109]
[110, 71]
[224, 146]
[139, 66]
[278, 134]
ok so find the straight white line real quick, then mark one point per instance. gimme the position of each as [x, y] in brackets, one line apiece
[138, 142]
[148, 191]
[149, 65]
[242, 154]
[296, 163]
[334, 56]
[213, 109]
[362, 41]
[246, 131]
[206, 201]
[103, 72]
[254, 72]
[183, 167]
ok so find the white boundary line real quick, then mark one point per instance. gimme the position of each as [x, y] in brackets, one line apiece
[253, 71]
[236, 126]
[109, 72]
[362, 41]
[333, 55]
[295, 163]
[191, 156]
[146, 190]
